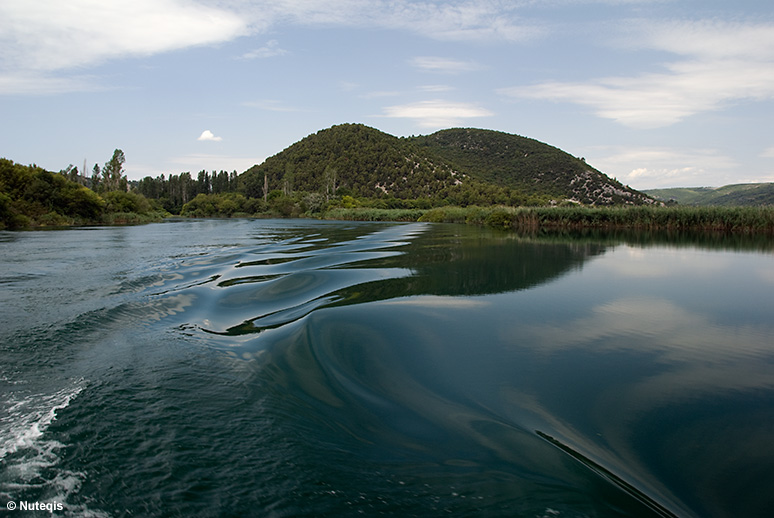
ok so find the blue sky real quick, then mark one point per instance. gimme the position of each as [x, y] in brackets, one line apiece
[657, 93]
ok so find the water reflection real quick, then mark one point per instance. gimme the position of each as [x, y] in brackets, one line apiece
[527, 352]
[270, 288]
[603, 365]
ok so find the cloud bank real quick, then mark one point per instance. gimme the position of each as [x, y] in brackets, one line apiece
[718, 63]
[46, 36]
[437, 113]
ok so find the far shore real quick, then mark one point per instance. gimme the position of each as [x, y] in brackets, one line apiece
[734, 220]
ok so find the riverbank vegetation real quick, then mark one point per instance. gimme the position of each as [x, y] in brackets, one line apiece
[715, 219]
[33, 197]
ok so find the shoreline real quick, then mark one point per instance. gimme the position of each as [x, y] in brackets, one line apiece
[733, 220]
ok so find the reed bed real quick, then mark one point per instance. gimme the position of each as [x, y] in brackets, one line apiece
[373, 214]
[719, 219]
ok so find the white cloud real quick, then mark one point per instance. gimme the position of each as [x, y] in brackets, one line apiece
[721, 63]
[269, 50]
[208, 136]
[437, 113]
[55, 35]
[443, 65]
[649, 168]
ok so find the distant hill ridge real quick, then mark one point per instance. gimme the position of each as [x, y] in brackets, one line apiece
[744, 194]
[365, 162]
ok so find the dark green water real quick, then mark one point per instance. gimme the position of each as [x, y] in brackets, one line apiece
[301, 368]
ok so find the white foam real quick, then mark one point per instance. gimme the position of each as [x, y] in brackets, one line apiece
[26, 453]
[28, 416]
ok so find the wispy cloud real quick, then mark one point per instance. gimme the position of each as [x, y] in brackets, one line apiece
[377, 94]
[51, 35]
[207, 135]
[435, 88]
[443, 65]
[436, 113]
[653, 167]
[720, 63]
[269, 50]
[460, 20]
[768, 153]
[271, 105]
[35, 83]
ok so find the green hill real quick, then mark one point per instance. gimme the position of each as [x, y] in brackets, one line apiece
[744, 194]
[458, 165]
[351, 159]
[527, 164]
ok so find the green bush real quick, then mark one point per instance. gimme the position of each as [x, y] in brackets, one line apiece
[119, 201]
[499, 218]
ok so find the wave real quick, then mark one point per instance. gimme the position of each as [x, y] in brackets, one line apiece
[28, 457]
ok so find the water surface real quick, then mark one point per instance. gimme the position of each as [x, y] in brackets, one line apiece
[302, 368]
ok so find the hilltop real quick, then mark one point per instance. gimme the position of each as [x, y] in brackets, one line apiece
[351, 159]
[528, 165]
[457, 165]
[744, 194]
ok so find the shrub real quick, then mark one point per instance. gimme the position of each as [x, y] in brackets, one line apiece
[499, 218]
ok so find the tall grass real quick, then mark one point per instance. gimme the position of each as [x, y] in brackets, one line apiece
[723, 219]
[726, 219]
[373, 214]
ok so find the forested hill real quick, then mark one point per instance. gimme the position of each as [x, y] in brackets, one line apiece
[458, 165]
[528, 165]
[353, 159]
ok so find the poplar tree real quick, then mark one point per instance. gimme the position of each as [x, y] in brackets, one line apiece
[113, 173]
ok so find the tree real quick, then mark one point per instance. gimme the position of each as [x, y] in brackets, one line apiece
[71, 173]
[329, 177]
[113, 176]
[203, 183]
[95, 176]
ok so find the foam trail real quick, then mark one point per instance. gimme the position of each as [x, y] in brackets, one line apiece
[28, 458]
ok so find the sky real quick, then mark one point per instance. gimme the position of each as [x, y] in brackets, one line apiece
[655, 93]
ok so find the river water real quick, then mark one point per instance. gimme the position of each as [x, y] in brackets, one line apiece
[306, 368]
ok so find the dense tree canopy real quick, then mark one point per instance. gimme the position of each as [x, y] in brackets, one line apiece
[527, 165]
[460, 165]
[351, 159]
[174, 191]
[32, 196]
[30, 193]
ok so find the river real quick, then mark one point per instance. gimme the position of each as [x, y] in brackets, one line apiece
[305, 368]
